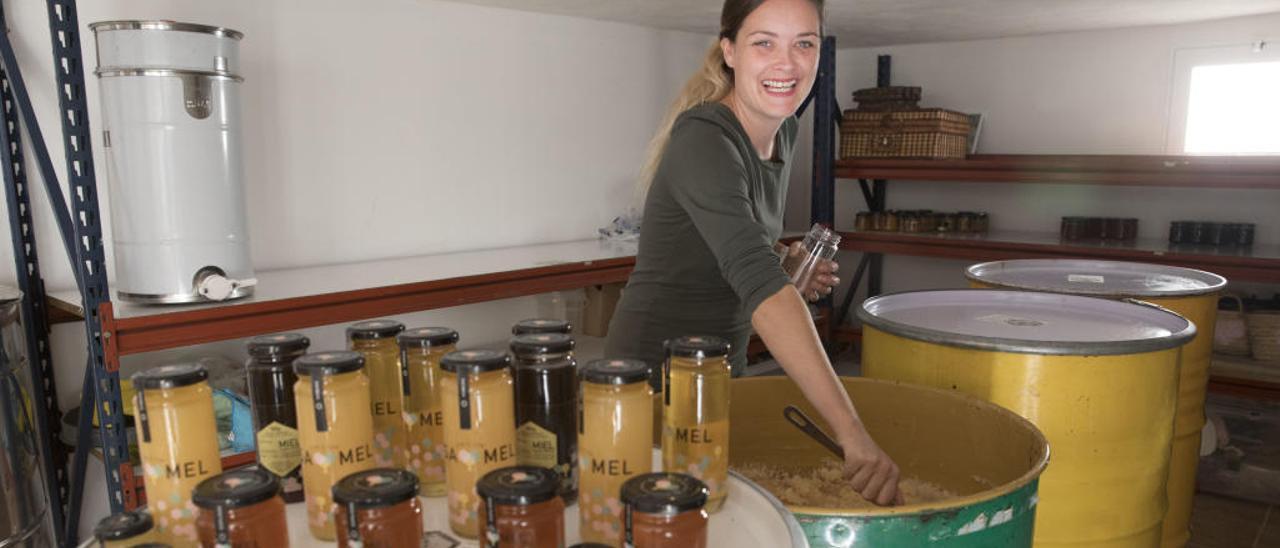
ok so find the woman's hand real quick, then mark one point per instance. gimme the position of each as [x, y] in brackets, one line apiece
[871, 472]
[821, 282]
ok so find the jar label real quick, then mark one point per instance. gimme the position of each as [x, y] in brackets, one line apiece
[535, 446]
[278, 449]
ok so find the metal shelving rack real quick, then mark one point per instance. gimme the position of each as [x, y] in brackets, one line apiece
[81, 234]
[1260, 263]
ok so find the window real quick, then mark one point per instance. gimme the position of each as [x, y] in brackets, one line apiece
[1225, 101]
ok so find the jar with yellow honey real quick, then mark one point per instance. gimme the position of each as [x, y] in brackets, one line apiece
[335, 428]
[615, 442]
[376, 341]
[695, 413]
[478, 408]
[424, 452]
[178, 444]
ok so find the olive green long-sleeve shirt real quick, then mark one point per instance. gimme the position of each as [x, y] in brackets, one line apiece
[706, 256]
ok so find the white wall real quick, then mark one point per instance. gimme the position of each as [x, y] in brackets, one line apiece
[1104, 92]
[389, 128]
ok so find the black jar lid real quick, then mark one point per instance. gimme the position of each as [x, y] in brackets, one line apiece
[519, 485]
[374, 329]
[375, 488]
[697, 347]
[427, 337]
[615, 371]
[663, 493]
[474, 361]
[541, 325]
[278, 347]
[170, 376]
[122, 526]
[236, 489]
[534, 344]
[328, 363]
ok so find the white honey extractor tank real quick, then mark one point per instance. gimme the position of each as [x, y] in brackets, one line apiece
[170, 95]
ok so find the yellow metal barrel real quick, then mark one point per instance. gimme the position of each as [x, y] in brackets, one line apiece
[989, 457]
[1191, 293]
[1097, 376]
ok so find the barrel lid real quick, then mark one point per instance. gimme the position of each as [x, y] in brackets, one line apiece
[533, 344]
[374, 329]
[615, 371]
[1027, 322]
[328, 363]
[697, 347]
[474, 361]
[427, 337]
[1097, 278]
[376, 487]
[664, 493]
[519, 485]
[278, 346]
[122, 526]
[101, 26]
[541, 325]
[235, 489]
[170, 376]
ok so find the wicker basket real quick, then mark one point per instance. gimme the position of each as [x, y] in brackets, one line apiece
[926, 133]
[1264, 335]
[908, 94]
[1230, 333]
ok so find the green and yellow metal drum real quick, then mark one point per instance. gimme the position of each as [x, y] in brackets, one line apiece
[1191, 293]
[1097, 376]
[990, 456]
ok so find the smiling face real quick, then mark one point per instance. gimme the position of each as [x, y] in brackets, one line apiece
[774, 58]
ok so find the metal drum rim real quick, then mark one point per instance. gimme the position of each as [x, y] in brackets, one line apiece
[1218, 282]
[167, 25]
[949, 504]
[1021, 346]
[794, 530]
[181, 298]
[125, 72]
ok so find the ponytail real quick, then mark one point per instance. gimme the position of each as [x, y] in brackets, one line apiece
[711, 83]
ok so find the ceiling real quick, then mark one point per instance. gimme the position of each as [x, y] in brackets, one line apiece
[863, 23]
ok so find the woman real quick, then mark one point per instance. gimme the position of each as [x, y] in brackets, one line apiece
[708, 262]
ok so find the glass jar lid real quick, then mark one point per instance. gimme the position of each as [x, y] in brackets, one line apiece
[697, 347]
[374, 329]
[427, 337]
[170, 376]
[328, 363]
[541, 325]
[278, 347]
[474, 361]
[519, 485]
[535, 344]
[615, 371]
[235, 489]
[663, 493]
[122, 526]
[375, 488]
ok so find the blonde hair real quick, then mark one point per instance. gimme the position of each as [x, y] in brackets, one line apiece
[713, 82]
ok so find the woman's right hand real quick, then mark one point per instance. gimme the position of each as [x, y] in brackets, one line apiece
[872, 473]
